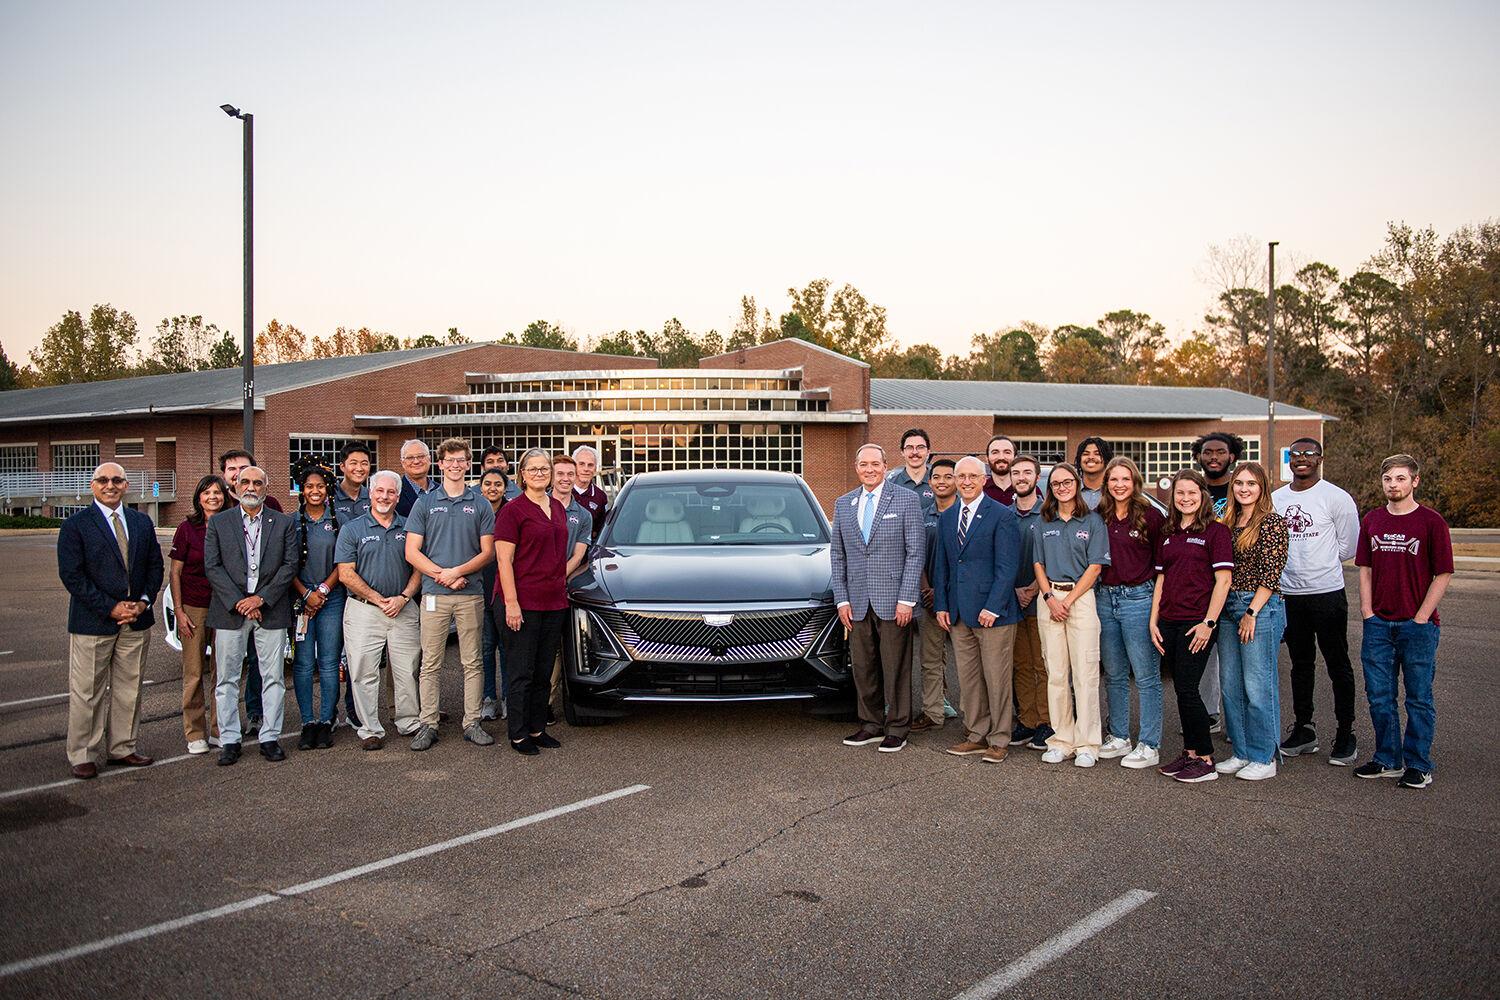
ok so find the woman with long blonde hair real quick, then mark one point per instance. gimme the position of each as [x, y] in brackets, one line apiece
[1252, 622]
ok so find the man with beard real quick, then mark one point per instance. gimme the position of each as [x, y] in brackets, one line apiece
[1322, 531]
[1030, 678]
[999, 453]
[932, 638]
[231, 464]
[494, 457]
[1092, 456]
[1216, 453]
[381, 615]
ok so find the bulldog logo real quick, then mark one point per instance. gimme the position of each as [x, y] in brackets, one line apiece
[1297, 519]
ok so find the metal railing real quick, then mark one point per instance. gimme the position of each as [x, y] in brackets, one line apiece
[145, 485]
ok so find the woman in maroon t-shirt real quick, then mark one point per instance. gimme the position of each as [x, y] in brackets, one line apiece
[1194, 566]
[531, 542]
[191, 596]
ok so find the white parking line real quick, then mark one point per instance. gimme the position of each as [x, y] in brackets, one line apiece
[1056, 946]
[103, 773]
[47, 697]
[54, 957]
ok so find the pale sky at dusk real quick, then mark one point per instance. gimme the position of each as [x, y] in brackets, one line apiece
[607, 166]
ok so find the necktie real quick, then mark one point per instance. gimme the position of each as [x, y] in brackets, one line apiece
[867, 516]
[120, 539]
[963, 524]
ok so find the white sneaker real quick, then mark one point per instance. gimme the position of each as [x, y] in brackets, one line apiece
[198, 746]
[1142, 756]
[1257, 772]
[1231, 766]
[1216, 724]
[1115, 746]
[1055, 756]
[1084, 759]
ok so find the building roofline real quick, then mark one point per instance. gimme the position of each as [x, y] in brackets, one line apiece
[794, 340]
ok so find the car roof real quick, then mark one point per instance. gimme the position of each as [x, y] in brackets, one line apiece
[695, 476]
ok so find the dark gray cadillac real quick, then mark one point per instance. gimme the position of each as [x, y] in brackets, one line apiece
[706, 586]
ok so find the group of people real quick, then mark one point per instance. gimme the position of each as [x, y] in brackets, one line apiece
[372, 571]
[1046, 588]
[1044, 585]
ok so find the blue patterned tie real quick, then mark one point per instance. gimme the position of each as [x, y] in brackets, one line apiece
[867, 516]
[963, 525]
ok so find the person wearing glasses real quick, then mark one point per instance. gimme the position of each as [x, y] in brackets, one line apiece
[580, 528]
[416, 479]
[191, 595]
[1069, 548]
[449, 539]
[531, 602]
[915, 450]
[494, 484]
[111, 565]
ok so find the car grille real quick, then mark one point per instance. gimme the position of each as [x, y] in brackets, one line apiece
[684, 637]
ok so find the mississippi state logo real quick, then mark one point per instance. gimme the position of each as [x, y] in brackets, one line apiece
[1297, 519]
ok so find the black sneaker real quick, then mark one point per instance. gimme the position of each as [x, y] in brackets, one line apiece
[271, 750]
[1345, 750]
[1021, 734]
[229, 754]
[891, 744]
[309, 736]
[1039, 738]
[1300, 740]
[1415, 779]
[525, 746]
[546, 741]
[1375, 769]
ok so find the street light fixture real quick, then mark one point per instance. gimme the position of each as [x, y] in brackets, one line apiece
[248, 356]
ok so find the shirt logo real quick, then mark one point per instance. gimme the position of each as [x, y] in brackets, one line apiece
[1082, 534]
[1395, 543]
[1196, 541]
[1297, 519]
[468, 509]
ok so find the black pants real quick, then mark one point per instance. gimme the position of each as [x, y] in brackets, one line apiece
[529, 653]
[880, 654]
[1186, 668]
[1313, 622]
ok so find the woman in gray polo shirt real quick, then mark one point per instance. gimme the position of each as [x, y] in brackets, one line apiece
[1070, 545]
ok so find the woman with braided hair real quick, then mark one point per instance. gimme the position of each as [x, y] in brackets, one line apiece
[320, 598]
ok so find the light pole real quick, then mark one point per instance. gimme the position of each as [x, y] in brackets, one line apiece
[1273, 458]
[249, 327]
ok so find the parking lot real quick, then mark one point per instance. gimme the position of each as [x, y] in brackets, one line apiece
[728, 852]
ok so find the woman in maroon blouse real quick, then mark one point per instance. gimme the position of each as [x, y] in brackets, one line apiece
[190, 596]
[531, 559]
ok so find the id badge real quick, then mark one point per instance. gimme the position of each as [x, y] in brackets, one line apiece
[430, 602]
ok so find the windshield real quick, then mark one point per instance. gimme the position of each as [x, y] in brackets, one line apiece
[716, 514]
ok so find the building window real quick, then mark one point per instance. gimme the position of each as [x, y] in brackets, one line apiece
[1166, 457]
[1048, 451]
[1134, 450]
[75, 456]
[325, 448]
[18, 458]
[130, 448]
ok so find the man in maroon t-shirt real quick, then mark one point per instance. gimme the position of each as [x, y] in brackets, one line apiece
[1405, 560]
[998, 453]
[590, 497]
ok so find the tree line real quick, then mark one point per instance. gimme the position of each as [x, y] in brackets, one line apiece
[1403, 350]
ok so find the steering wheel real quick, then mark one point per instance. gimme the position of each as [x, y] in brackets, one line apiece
[768, 526]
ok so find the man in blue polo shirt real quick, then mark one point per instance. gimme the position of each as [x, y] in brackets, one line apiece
[381, 613]
[351, 497]
[449, 539]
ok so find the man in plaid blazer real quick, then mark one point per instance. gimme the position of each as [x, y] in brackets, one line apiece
[879, 549]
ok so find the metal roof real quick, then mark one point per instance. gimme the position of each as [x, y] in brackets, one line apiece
[1046, 399]
[219, 389]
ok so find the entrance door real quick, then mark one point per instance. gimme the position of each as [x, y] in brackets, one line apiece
[608, 475]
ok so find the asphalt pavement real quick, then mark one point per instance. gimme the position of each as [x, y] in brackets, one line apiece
[729, 852]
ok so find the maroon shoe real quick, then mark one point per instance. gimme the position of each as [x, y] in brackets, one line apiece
[863, 738]
[1198, 769]
[131, 760]
[1170, 770]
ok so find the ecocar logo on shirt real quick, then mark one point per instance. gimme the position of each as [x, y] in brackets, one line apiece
[1395, 543]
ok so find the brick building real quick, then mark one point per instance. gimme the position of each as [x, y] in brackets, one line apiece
[787, 405]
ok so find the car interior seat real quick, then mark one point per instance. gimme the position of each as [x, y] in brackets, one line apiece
[665, 523]
[763, 510]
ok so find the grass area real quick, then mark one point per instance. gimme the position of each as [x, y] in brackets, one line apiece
[1490, 549]
[28, 521]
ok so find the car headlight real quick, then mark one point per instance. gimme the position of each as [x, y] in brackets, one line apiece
[594, 641]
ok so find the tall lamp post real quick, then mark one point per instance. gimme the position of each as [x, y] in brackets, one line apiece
[249, 327]
[1273, 457]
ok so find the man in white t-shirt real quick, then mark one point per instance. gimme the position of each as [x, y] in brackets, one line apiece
[1323, 528]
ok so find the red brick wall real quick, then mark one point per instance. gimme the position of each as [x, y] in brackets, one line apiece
[847, 379]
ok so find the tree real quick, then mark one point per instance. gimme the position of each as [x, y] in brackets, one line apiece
[1195, 362]
[10, 374]
[919, 361]
[280, 342]
[1078, 355]
[754, 326]
[92, 350]
[1128, 337]
[181, 344]
[1234, 271]
[622, 342]
[1012, 356]
[454, 337]
[540, 333]
[846, 322]
[1368, 300]
[225, 353]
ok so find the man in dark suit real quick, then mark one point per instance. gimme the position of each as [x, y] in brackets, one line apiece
[111, 565]
[878, 551]
[416, 479]
[974, 595]
[250, 557]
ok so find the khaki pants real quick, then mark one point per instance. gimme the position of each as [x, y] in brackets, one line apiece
[985, 657]
[97, 662]
[1030, 674]
[932, 652]
[467, 614]
[198, 722]
[368, 634]
[1071, 649]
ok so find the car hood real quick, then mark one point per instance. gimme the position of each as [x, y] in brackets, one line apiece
[707, 574]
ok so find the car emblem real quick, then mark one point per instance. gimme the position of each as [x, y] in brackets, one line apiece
[717, 621]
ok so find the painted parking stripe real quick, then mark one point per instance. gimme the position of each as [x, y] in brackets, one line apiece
[140, 934]
[49, 697]
[103, 773]
[1056, 946]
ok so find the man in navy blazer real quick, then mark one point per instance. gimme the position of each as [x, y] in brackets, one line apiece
[110, 563]
[878, 552]
[974, 595]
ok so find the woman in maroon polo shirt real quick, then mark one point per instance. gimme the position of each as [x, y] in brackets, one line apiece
[191, 595]
[531, 543]
[1194, 565]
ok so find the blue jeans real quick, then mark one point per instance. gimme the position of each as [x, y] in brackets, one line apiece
[493, 658]
[1249, 678]
[321, 647]
[1410, 650]
[1125, 649]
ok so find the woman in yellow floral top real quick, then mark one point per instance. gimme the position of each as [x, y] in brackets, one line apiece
[1250, 627]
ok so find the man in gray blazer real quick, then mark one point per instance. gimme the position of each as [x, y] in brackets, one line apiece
[250, 557]
[878, 551]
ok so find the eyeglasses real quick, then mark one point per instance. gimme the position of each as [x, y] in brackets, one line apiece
[537, 468]
[1058, 484]
[1304, 454]
[111, 480]
[914, 447]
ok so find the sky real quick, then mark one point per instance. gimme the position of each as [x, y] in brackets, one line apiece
[610, 166]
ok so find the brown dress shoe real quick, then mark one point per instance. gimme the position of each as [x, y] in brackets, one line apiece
[922, 724]
[88, 769]
[372, 742]
[967, 749]
[995, 755]
[131, 760]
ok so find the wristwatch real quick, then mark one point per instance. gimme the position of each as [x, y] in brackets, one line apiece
[1047, 596]
[1250, 612]
[1212, 623]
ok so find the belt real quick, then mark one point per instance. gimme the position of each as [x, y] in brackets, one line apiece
[1064, 587]
[361, 600]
